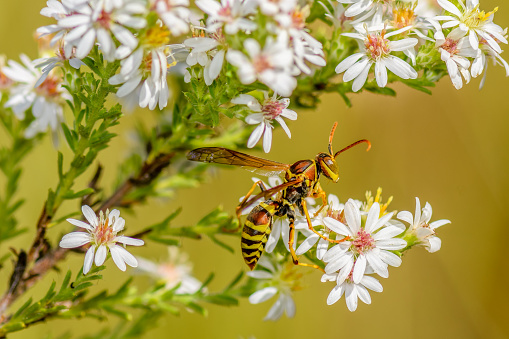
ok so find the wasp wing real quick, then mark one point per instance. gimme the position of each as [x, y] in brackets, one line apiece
[220, 155]
[266, 194]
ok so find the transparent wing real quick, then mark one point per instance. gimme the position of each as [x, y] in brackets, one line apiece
[220, 155]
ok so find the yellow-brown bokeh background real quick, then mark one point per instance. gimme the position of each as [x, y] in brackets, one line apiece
[449, 149]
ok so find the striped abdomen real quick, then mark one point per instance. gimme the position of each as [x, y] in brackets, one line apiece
[256, 231]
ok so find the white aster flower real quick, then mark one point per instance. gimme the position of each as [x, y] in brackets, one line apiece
[46, 100]
[353, 291]
[480, 63]
[65, 53]
[404, 15]
[304, 46]
[232, 14]
[371, 244]
[101, 233]
[472, 22]
[176, 271]
[264, 113]
[174, 13]
[280, 280]
[454, 51]
[271, 65]
[209, 52]
[101, 19]
[421, 228]
[143, 73]
[376, 49]
[5, 82]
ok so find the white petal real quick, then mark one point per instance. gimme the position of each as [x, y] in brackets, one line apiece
[89, 258]
[345, 272]
[307, 244]
[90, 215]
[276, 311]
[351, 297]
[448, 6]
[259, 274]
[335, 294]
[81, 224]
[380, 74]
[372, 283]
[337, 226]
[333, 266]
[373, 214]
[406, 216]
[348, 62]
[434, 244]
[256, 135]
[387, 233]
[359, 269]
[267, 138]
[356, 69]
[100, 255]
[377, 264]
[390, 258]
[335, 252]
[274, 236]
[75, 239]
[262, 295]
[129, 241]
[391, 244]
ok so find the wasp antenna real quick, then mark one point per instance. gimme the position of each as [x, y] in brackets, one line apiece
[352, 145]
[331, 136]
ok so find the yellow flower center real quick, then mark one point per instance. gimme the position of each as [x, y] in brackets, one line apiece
[474, 18]
[157, 36]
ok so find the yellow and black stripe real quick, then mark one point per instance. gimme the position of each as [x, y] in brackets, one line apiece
[256, 231]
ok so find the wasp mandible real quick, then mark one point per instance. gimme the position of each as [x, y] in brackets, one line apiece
[301, 180]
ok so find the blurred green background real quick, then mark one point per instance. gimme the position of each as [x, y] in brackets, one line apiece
[449, 149]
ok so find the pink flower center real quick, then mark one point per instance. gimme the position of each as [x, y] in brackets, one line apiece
[104, 233]
[49, 88]
[363, 242]
[225, 11]
[5, 82]
[261, 63]
[272, 109]
[104, 19]
[377, 46]
[299, 19]
[450, 46]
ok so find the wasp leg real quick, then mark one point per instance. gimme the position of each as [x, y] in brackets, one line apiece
[311, 228]
[243, 205]
[292, 250]
[320, 193]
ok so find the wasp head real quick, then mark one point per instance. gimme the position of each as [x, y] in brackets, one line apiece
[328, 166]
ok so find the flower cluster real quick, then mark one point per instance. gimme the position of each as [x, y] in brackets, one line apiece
[372, 239]
[392, 34]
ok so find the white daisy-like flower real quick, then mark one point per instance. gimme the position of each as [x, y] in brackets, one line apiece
[58, 10]
[454, 51]
[232, 14]
[369, 245]
[376, 49]
[176, 271]
[480, 63]
[101, 233]
[174, 13]
[405, 16]
[281, 280]
[143, 73]
[304, 46]
[101, 19]
[333, 209]
[46, 100]
[264, 113]
[5, 82]
[469, 20]
[271, 65]
[352, 290]
[208, 52]
[421, 228]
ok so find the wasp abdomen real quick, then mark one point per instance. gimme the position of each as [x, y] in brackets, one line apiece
[256, 231]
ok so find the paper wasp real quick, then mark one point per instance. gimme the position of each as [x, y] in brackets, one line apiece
[300, 181]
